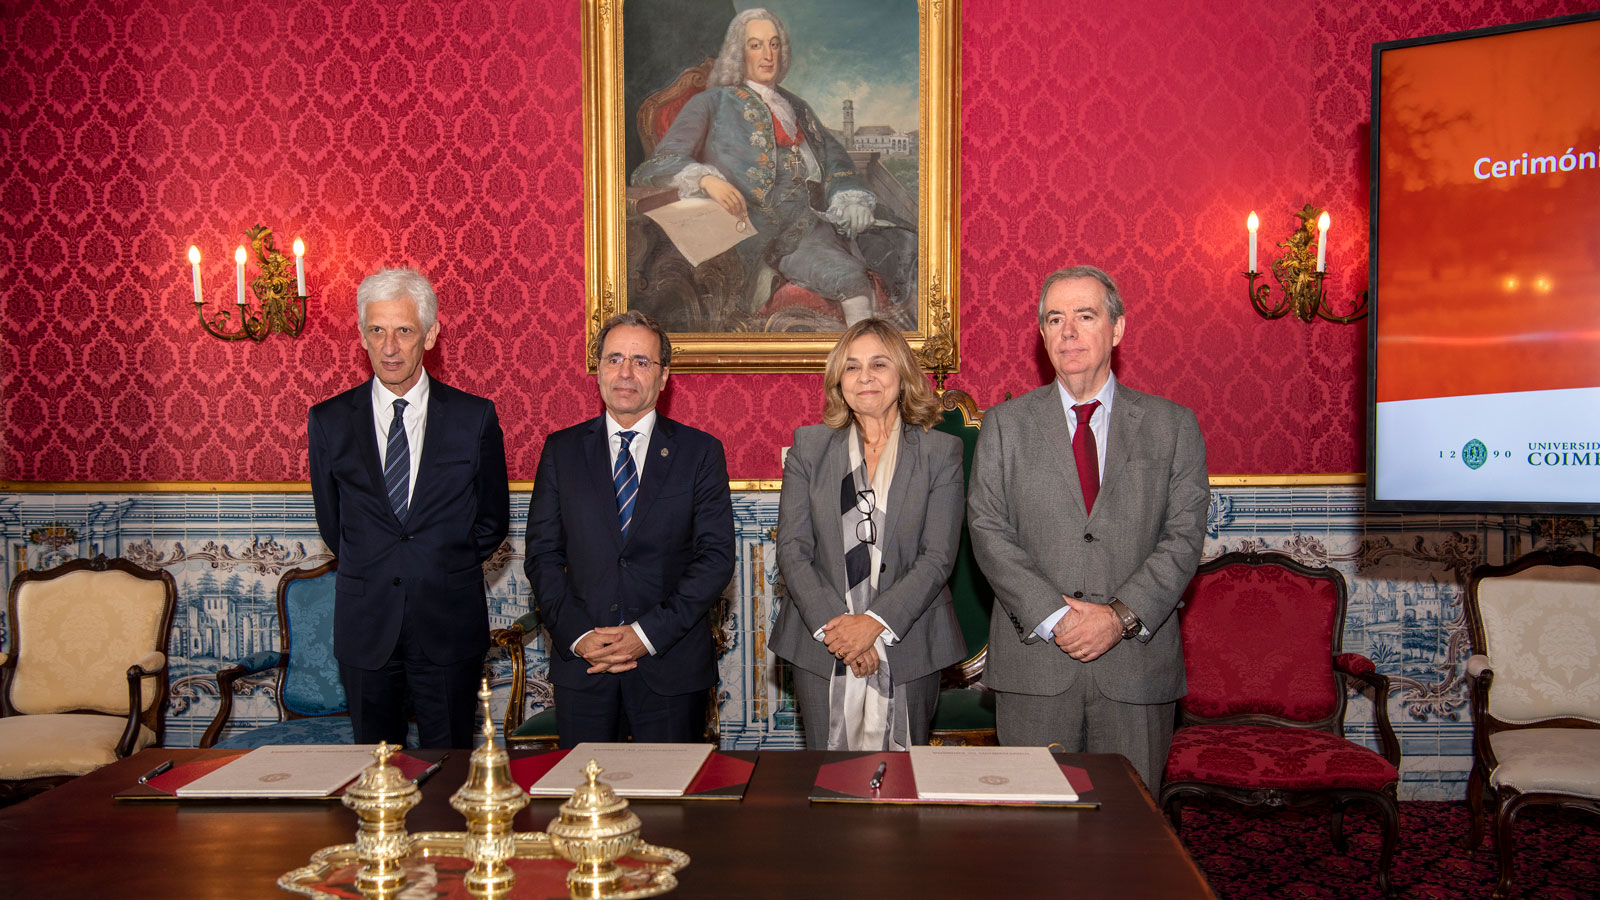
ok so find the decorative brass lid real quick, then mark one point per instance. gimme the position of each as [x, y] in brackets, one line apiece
[382, 786]
[594, 801]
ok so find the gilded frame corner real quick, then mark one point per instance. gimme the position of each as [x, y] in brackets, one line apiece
[937, 338]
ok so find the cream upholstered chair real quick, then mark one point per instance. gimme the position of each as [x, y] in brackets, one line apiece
[85, 680]
[1535, 686]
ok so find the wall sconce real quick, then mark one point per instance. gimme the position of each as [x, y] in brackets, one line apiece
[278, 310]
[1300, 281]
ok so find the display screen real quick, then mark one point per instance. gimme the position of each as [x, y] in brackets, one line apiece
[1485, 331]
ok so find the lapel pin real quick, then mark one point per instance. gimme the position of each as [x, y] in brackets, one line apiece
[663, 451]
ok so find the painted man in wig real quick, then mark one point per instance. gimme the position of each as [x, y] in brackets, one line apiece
[760, 151]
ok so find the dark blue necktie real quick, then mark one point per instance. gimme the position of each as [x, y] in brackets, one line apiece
[397, 463]
[625, 478]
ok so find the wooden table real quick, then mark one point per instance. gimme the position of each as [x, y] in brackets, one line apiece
[76, 841]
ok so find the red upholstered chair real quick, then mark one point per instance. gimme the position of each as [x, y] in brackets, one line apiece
[1263, 722]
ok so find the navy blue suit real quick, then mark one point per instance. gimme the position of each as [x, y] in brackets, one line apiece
[411, 591]
[677, 560]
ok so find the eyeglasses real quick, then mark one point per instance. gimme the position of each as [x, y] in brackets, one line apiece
[866, 501]
[617, 360]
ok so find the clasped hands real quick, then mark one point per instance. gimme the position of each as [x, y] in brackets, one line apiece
[611, 648]
[1087, 630]
[850, 638]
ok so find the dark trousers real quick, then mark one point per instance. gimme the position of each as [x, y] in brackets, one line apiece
[610, 708]
[444, 699]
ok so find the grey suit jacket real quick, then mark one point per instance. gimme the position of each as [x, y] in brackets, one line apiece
[919, 543]
[1035, 543]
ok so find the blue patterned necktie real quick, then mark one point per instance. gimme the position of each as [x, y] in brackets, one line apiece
[397, 464]
[625, 478]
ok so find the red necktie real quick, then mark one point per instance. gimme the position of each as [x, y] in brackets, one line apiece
[1086, 454]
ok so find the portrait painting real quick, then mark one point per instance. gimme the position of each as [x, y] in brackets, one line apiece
[761, 175]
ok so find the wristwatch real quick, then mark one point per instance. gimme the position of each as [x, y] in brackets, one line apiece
[1130, 619]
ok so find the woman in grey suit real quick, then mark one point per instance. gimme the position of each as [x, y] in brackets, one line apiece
[868, 525]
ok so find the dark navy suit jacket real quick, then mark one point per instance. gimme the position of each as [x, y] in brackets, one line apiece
[676, 561]
[427, 571]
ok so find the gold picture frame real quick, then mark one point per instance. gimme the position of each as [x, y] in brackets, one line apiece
[935, 335]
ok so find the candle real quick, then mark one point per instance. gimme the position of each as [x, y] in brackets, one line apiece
[194, 265]
[238, 261]
[300, 267]
[1322, 243]
[1252, 223]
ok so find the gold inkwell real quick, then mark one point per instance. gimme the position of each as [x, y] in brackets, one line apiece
[381, 797]
[593, 831]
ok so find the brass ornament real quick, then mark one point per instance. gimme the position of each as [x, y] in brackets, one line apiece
[381, 797]
[489, 800]
[281, 309]
[1301, 286]
[595, 828]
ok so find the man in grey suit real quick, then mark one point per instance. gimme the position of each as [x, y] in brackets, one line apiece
[1087, 510]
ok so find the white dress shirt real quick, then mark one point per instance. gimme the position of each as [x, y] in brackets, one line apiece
[416, 423]
[640, 443]
[1100, 425]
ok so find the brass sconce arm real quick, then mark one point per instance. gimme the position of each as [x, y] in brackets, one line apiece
[279, 309]
[1301, 274]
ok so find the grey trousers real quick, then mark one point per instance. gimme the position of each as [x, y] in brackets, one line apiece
[921, 695]
[1083, 720]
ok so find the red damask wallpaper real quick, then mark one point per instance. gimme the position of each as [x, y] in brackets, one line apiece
[448, 136]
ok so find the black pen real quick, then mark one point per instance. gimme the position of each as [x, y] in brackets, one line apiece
[428, 772]
[877, 777]
[156, 771]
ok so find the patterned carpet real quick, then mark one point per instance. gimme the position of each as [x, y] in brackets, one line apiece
[1250, 854]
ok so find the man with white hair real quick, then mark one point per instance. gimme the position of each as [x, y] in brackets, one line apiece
[408, 477]
[760, 151]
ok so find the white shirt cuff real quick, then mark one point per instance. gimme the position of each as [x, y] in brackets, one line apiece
[889, 637]
[1046, 628]
[636, 630]
[687, 181]
[642, 638]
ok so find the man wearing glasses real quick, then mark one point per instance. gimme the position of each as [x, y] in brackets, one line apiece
[630, 540]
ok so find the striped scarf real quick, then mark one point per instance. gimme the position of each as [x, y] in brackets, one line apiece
[864, 713]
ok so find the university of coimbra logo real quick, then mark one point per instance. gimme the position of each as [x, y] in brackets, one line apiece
[1474, 454]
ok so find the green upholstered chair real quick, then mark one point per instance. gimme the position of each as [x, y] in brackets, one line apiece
[305, 680]
[538, 732]
[84, 681]
[965, 715]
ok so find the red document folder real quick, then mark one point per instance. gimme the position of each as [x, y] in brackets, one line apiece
[847, 782]
[723, 777]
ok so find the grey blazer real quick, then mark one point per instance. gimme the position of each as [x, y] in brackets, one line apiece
[919, 545]
[1141, 545]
